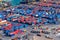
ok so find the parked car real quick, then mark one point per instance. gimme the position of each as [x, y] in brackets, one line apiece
[49, 35]
[38, 35]
[35, 31]
[46, 32]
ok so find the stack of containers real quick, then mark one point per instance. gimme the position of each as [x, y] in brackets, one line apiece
[25, 11]
[13, 29]
[27, 15]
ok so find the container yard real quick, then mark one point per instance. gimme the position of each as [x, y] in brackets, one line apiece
[29, 19]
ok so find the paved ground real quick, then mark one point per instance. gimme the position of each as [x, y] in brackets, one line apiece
[41, 38]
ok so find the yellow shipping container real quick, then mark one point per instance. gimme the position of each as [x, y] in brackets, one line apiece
[0, 0]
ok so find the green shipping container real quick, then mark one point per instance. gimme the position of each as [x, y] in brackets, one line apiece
[15, 2]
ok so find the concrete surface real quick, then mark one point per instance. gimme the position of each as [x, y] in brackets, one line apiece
[40, 38]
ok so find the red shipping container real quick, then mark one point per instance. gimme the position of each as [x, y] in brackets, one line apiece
[8, 27]
[22, 19]
[15, 32]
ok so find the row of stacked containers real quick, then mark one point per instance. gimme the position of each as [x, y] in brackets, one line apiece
[32, 13]
[29, 14]
[36, 11]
